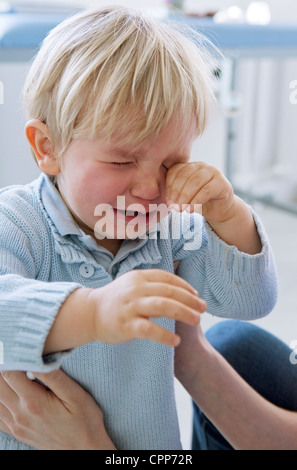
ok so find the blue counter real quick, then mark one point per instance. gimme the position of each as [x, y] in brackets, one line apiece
[26, 31]
[248, 37]
[21, 34]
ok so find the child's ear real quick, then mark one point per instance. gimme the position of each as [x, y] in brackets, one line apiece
[38, 137]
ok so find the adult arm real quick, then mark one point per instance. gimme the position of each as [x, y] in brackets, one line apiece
[244, 417]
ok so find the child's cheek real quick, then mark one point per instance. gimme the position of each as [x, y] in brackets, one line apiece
[103, 188]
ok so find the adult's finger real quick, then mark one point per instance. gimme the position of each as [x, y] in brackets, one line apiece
[6, 418]
[59, 383]
[63, 386]
[4, 427]
[8, 397]
[19, 383]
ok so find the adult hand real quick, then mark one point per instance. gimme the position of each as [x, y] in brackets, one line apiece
[61, 417]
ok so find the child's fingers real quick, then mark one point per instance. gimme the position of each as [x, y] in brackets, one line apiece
[145, 329]
[215, 188]
[189, 188]
[172, 174]
[184, 296]
[187, 180]
[156, 307]
[176, 180]
[158, 275]
[197, 185]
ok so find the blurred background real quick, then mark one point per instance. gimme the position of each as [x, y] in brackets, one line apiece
[251, 136]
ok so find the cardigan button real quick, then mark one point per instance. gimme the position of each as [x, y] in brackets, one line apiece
[86, 270]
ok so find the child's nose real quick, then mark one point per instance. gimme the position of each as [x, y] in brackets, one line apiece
[147, 188]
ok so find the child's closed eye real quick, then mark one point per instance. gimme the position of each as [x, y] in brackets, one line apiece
[121, 163]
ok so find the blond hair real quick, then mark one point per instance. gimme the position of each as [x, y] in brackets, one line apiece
[115, 72]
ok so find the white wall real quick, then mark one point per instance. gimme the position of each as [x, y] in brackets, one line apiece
[269, 134]
[16, 163]
[17, 166]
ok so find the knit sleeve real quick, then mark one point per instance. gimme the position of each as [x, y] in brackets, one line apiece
[233, 284]
[28, 307]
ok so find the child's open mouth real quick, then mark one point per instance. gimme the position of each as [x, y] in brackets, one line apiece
[142, 218]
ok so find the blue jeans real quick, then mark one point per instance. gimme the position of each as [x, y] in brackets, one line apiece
[262, 360]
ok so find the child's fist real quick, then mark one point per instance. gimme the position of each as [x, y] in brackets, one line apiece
[199, 183]
[124, 308]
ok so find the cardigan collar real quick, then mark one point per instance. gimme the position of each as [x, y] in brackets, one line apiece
[74, 246]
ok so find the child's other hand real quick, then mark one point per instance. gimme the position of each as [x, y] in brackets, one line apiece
[229, 216]
[199, 183]
[123, 308]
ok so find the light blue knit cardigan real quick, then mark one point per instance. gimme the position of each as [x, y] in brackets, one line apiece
[133, 382]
